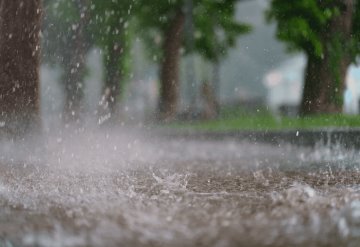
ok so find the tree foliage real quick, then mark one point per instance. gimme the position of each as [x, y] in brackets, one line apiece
[175, 27]
[328, 32]
[60, 22]
[215, 25]
[304, 25]
[214, 29]
[110, 25]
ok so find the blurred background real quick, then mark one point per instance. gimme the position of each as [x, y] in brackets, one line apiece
[133, 61]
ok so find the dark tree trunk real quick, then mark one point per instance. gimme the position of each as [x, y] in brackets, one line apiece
[113, 77]
[75, 66]
[325, 78]
[217, 82]
[323, 91]
[322, 94]
[211, 105]
[169, 77]
[20, 23]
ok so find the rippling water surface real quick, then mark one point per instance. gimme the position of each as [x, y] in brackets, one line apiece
[126, 188]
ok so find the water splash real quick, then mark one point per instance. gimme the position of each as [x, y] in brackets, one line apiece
[129, 188]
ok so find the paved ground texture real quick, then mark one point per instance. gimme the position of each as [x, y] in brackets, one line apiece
[128, 188]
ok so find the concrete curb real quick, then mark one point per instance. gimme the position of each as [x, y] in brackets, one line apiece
[346, 137]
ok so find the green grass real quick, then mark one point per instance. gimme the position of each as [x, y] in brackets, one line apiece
[266, 121]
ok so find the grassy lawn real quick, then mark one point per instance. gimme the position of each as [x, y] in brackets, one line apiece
[266, 121]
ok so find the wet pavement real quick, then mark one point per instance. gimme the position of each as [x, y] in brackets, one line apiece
[128, 188]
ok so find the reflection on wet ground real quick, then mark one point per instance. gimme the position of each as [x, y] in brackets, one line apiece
[111, 189]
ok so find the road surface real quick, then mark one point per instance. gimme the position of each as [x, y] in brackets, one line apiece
[128, 188]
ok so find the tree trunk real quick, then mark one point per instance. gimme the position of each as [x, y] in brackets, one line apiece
[113, 76]
[318, 87]
[217, 82]
[20, 23]
[169, 77]
[75, 66]
[211, 105]
[325, 78]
